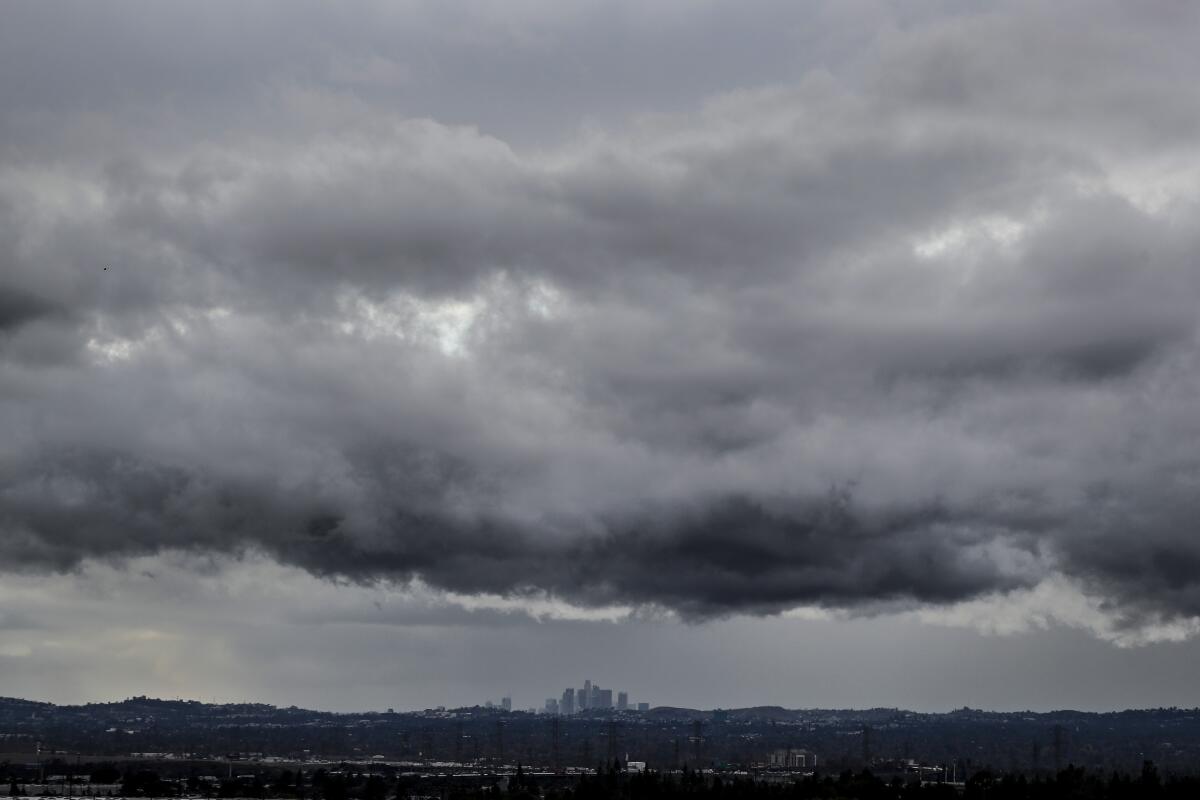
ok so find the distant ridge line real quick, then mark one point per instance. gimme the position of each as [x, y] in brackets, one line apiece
[747, 712]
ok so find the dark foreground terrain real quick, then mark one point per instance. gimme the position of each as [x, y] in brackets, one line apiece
[349, 782]
[154, 748]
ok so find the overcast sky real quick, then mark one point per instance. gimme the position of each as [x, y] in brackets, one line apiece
[404, 354]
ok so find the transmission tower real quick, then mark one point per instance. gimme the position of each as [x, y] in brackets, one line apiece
[554, 743]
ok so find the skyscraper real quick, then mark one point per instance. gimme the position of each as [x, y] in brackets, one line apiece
[567, 704]
[622, 701]
[551, 705]
[506, 703]
[604, 698]
[584, 698]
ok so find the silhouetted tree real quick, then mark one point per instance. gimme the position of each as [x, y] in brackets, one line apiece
[375, 788]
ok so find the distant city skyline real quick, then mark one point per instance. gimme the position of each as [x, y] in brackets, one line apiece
[589, 697]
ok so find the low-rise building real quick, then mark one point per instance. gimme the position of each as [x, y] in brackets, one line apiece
[789, 758]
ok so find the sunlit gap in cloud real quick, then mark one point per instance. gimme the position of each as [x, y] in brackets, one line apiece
[958, 238]
[106, 346]
[1158, 185]
[447, 325]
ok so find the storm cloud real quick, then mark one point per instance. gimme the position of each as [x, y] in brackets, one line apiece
[697, 310]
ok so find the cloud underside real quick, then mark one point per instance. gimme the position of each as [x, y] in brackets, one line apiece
[910, 329]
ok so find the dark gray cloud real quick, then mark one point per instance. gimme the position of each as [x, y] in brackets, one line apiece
[18, 308]
[883, 309]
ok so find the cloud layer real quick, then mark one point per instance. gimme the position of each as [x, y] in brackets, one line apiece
[899, 311]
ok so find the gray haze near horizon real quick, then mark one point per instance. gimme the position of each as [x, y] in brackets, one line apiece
[603, 320]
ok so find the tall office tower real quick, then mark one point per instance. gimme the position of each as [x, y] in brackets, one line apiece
[594, 697]
[643, 706]
[622, 701]
[551, 705]
[506, 703]
[583, 700]
[604, 698]
[567, 704]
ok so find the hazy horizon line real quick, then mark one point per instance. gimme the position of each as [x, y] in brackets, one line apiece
[395, 710]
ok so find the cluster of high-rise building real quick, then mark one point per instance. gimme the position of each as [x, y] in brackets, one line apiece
[590, 697]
